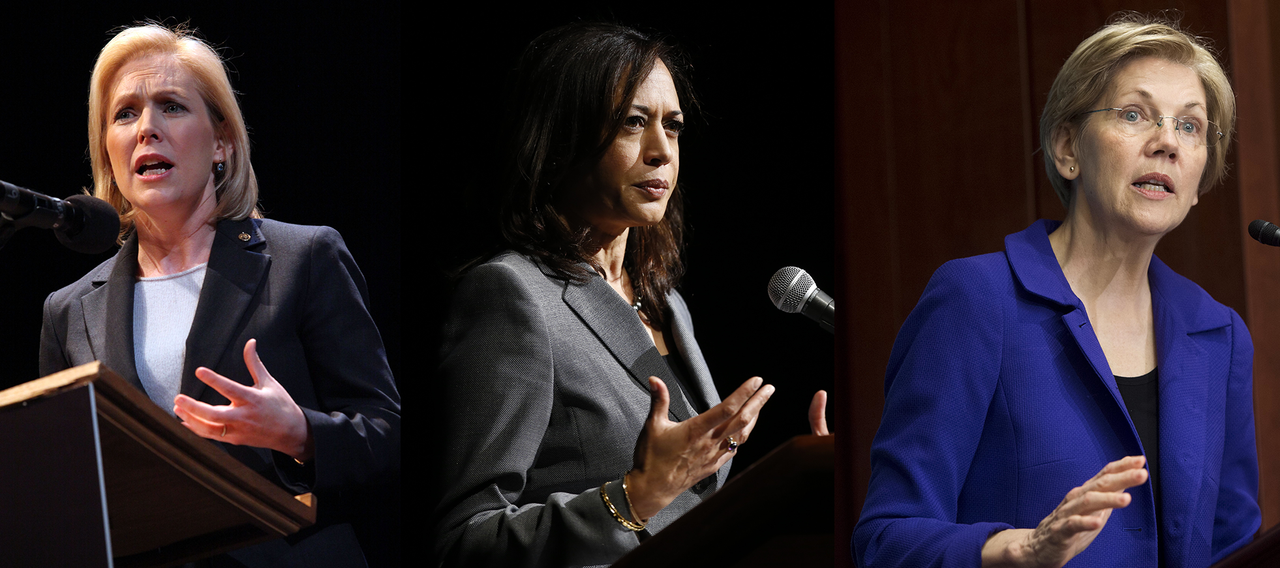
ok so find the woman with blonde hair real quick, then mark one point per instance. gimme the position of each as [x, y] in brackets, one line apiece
[202, 281]
[1094, 404]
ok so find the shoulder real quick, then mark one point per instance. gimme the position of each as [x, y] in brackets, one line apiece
[280, 235]
[1196, 309]
[975, 278]
[86, 284]
[509, 271]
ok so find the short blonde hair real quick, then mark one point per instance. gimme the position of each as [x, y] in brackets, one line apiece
[237, 188]
[1087, 76]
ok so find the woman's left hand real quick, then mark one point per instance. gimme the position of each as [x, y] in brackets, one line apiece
[262, 415]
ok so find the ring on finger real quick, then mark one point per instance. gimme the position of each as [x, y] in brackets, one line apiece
[733, 444]
[224, 430]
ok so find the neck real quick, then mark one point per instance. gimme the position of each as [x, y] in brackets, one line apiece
[1103, 265]
[608, 250]
[168, 244]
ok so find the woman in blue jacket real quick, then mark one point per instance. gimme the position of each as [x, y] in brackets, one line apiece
[1073, 396]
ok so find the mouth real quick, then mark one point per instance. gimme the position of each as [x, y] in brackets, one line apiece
[656, 188]
[1155, 183]
[152, 165]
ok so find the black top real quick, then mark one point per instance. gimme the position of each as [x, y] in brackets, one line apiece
[1142, 399]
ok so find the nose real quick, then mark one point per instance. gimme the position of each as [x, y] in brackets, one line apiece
[1165, 139]
[149, 126]
[658, 148]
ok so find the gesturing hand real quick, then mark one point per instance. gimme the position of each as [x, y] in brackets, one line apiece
[670, 457]
[818, 414]
[1072, 526]
[263, 415]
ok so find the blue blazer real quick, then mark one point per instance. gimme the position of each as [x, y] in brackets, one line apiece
[999, 400]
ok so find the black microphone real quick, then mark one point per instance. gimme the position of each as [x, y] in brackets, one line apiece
[81, 222]
[1265, 233]
[792, 290]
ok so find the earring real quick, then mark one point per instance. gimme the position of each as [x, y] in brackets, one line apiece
[220, 167]
[1073, 169]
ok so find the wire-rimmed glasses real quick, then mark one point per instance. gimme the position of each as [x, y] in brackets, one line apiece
[1192, 131]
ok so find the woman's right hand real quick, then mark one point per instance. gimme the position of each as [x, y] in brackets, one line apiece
[1072, 526]
[670, 457]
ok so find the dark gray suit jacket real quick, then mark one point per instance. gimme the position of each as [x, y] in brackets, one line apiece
[546, 390]
[297, 290]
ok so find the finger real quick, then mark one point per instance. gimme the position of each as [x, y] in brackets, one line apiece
[659, 400]
[215, 415]
[728, 408]
[1120, 481]
[742, 422]
[235, 392]
[253, 362]
[1094, 501]
[193, 417]
[818, 414]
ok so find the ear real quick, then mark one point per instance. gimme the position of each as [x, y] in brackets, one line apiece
[1064, 151]
[222, 150]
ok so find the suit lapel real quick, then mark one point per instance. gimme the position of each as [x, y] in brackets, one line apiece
[621, 332]
[1187, 345]
[1036, 268]
[700, 386]
[232, 281]
[108, 314]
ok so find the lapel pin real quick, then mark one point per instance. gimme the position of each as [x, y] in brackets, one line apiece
[245, 237]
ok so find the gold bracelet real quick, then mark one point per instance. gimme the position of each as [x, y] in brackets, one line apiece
[627, 494]
[616, 515]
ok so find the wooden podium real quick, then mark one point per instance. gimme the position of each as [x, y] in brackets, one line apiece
[779, 512]
[1263, 552]
[92, 473]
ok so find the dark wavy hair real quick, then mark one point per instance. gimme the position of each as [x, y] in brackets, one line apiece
[573, 87]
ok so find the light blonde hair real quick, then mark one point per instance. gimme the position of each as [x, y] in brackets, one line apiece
[1087, 75]
[237, 188]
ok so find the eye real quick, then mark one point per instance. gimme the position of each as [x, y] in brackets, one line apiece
[123, 115]
[174, 107]
[634, 123]
[1190, 125]
[675, 127]
[1132, 115]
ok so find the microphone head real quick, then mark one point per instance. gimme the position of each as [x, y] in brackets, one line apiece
[1264, 232]
[95, 228]
[789, 288]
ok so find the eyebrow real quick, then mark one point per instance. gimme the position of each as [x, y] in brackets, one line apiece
[164, 92]
[1194, 104]
[649, 111]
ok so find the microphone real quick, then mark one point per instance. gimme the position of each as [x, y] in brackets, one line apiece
[81, 222]
[1265, 233]
[792, 290]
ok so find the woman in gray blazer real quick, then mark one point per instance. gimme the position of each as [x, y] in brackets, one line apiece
[581, 416]
[201, 280]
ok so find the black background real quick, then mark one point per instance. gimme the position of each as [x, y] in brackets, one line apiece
[320, 93]
[756, 171]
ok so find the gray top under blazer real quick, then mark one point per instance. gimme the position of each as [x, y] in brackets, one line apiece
[546, 390]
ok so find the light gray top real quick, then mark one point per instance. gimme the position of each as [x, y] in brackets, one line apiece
[163, 309]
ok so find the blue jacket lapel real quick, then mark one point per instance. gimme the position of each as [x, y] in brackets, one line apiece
[1188, 338]
[621, 332]
[1036, 268]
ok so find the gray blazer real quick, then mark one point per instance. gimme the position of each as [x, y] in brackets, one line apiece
[546, 390]
[297, 291]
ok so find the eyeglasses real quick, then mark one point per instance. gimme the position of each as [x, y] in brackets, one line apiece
[1192, 131]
